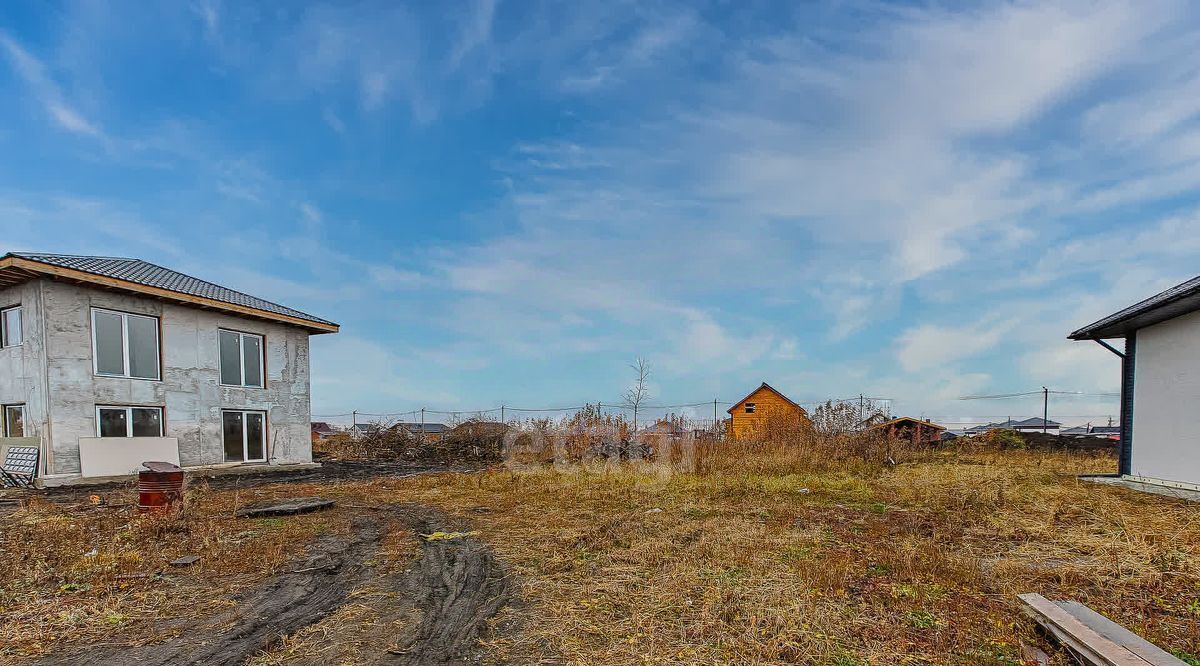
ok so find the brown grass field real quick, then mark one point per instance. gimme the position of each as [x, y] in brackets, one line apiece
[752, 557]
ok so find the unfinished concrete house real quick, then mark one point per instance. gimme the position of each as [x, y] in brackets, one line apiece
[107, 362]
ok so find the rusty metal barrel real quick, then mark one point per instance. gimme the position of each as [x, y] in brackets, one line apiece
[160, 485]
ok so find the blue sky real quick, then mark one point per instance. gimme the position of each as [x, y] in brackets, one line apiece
[509, 201]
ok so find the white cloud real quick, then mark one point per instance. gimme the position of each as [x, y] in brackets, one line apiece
[931, 346]
[49, 94]
[652, 41]
[353, 373]
[1074, 365]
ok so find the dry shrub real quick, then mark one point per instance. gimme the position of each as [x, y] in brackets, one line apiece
[470, 441]
[475, 439]
[786, 444]
[1001, 439]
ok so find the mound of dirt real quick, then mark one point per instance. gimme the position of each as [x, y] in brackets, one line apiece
[443, 602]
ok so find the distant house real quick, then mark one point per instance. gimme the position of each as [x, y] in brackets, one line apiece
[749, 414]
[914, 430]
[1034, 424]
[321, 430]
[1160, 384]
[1088, 430]
[663, 430]
[427, 431]
[364, 429]
[665, 426]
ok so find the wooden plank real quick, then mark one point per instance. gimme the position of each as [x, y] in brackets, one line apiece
[1084, 642]
[1120, 635]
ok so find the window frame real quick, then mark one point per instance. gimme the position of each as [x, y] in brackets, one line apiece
[262, 358]
[246, 432]
[162, 421]
[125, 345]
[749, 407]
[6, 426]
[4, 343]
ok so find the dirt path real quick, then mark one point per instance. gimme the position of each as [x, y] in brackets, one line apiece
[444, 599]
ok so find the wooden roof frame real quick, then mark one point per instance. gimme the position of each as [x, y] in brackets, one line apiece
[16, 270]
[893, 421]
[770, 388]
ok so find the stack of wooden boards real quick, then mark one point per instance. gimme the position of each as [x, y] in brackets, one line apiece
[1092, 638]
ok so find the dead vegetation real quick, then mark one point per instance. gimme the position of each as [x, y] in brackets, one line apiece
[811, 547]
[472, 441]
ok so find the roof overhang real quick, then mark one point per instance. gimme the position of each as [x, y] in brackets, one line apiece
[910, 419]
[16, 270]
[1172, 303]
[770, 388]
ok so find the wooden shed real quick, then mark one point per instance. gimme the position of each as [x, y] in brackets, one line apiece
[747, 415]
[911, 429]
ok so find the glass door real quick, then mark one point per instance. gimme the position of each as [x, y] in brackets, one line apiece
[244, 436]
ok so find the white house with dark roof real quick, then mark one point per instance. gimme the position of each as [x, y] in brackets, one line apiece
[1160, 384]
[1032, 424]
[106, 362]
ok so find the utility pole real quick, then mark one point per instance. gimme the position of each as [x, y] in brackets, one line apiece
[714, 413]
[422, 422]
[353, 420]
[1045, 409]
[502, 414]
[860, 408]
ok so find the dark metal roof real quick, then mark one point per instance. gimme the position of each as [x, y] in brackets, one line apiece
[1178, 300]
[152, 275]
[1035, 422]
[429, 428]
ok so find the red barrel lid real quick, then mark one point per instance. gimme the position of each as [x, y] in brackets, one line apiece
[159, 466]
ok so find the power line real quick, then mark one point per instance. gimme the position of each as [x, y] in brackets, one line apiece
[1001, 396]
[998, 396]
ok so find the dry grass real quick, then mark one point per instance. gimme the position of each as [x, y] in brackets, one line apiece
[763, 558]
[84, 573]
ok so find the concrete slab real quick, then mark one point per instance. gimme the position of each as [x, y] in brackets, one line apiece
[226, 469]
[1152, 488]
[285, 507]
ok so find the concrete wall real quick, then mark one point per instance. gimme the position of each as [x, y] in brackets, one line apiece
[1166, 401]
[189, 392]
[23, 368]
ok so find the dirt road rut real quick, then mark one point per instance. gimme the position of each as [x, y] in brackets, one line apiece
[447, 595]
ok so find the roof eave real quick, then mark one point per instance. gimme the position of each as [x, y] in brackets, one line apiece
[20, 264]
[1117, 326]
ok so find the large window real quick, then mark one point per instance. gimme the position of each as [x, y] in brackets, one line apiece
[245, 436]
[13, 421]
[10, 326]
[241, 359]
[125, 345]
[115, 421]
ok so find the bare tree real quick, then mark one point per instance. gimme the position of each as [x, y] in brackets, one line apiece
[639, 393]
[841, 417]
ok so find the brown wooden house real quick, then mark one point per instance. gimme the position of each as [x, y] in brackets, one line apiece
[749, 414]
[913, 430]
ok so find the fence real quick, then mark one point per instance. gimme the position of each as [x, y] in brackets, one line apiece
[700, 415]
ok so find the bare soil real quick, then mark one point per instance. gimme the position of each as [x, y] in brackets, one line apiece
[437, 609]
